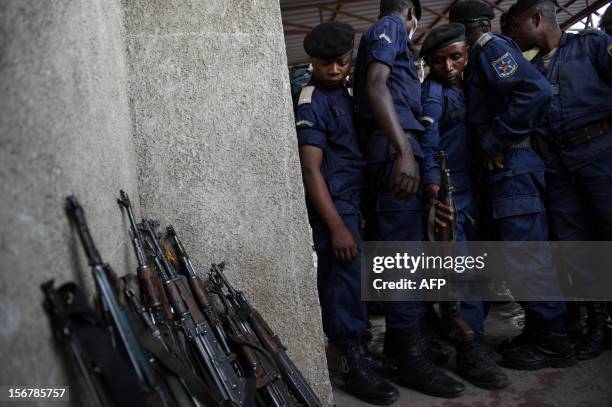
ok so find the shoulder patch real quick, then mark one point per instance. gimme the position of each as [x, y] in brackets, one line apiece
[505, 66]
[306, 95]
[304, 124]
[484, 39]
[385, 37]
[610, 50]
[350, 90]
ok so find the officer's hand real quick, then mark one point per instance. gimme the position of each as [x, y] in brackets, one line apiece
[444, 215]
[432, 191]
[494, 162]
[407, 179]
[343, 243]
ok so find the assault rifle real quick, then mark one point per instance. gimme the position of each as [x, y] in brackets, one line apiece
[155, 300]
[448, 233]
[270, 342]
[212, 363]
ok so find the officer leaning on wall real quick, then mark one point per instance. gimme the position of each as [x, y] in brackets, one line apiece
[575, 140]
[333, 170]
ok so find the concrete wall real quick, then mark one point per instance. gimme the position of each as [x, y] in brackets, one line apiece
[64, 128]
[184, 104]
[217, 152]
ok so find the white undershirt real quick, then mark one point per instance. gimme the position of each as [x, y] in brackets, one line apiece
[548, 57]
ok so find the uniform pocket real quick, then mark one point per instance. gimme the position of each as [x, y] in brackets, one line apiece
[517, 195]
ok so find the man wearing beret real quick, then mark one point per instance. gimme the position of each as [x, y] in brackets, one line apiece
[333, 170]
[506, 97]
[575, 141]
[443, 116]
[388, 101]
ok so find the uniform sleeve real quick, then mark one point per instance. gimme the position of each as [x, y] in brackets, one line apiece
[433, 107]
[384, 43]
[310, 127]
[507, 72]
[602, 45]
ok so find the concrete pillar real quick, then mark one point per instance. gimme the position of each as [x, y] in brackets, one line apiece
[64, 128]
[217, 154]
[186, 106]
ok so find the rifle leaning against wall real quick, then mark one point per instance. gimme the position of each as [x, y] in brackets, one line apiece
[212, 363]
[270, 342]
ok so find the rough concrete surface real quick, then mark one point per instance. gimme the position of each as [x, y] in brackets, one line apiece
[64, 128]
[217, 154]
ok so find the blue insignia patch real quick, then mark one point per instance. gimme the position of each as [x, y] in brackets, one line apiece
[505, 66]
[304, 124]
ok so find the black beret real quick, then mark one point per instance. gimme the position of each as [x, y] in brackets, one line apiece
[469, 11]
[329, 40]
[523, 5]
[442, 36]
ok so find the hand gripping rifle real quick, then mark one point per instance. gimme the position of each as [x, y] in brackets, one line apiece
[448, 233]
[213, 364]
[271, 343]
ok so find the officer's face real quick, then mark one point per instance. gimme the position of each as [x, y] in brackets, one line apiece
[447, 64]
[331, 73]
[525, 31]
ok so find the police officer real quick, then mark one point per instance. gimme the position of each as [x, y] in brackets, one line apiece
[576, 140]
[506, 97]
[443, 116]
[333, 173]
[388, 100]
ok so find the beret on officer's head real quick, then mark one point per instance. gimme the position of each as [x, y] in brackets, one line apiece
[329, 40]
[469, 11]
[442, 36]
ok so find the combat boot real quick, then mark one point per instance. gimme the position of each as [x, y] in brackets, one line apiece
[416, 370]
[476, 364]
[543, 348]
[430, 342]
[596, 339]
[360, 378]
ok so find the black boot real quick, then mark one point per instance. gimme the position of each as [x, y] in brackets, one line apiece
[476, 364]
[595, 341]
[544, 347]
[416, 370]
[360, 378]
[430, 342]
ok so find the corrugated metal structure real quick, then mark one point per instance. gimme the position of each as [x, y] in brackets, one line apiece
[300, 16]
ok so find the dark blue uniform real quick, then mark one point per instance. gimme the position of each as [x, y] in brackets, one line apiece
[506, 98]
[576, 140]
[387, 42]
[324, 118]
[444, 114]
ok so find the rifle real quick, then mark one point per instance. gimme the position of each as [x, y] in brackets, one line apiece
[150, 286]
[241, 335]
[61, 305]
[198, 289]
[212, 362]
[448, 233]
[103, 277]
[271, 343]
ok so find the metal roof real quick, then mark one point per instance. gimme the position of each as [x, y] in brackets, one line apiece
[300, 16]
